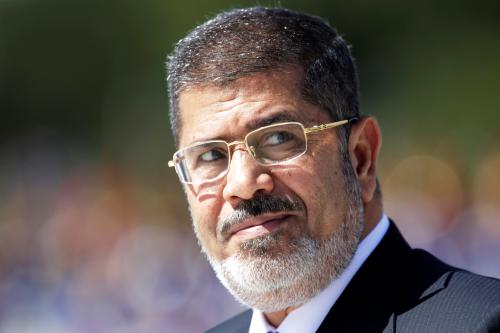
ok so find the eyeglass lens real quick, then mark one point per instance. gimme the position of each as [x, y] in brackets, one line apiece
[269, 145]
[277, 143]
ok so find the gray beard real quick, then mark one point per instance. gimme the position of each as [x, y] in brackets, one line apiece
[271, 281]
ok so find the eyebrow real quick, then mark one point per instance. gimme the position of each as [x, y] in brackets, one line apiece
[280, 117]
[269, 120]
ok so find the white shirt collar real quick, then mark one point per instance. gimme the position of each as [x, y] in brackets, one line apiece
[309, 316]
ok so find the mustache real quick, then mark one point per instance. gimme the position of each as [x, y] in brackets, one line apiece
[258, 205]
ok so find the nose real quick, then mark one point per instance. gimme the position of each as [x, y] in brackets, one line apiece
[245, 178]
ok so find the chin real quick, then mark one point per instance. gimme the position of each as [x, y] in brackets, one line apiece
[276, 271]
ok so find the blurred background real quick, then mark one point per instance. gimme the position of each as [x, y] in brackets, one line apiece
[94, 230]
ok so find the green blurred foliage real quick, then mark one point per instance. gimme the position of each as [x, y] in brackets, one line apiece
[91, 73]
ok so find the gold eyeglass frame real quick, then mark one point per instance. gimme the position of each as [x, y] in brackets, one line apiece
[251, 149]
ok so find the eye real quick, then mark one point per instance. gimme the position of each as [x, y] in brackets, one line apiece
[211, 155]
[277, 138]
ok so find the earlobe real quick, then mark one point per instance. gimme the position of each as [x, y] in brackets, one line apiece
[365, 141]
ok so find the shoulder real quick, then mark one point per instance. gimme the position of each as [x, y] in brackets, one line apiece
[455, 283]
[237, 324]
[475, 290]
[455, 299]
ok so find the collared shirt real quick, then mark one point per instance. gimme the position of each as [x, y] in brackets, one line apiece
[308, 317]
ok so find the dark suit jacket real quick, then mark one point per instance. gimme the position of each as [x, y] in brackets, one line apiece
[398, 289]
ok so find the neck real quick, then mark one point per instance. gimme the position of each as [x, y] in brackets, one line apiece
[372, 213]
[276, 318]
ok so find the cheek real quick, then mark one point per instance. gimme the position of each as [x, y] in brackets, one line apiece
[204, 213]
[323, 192]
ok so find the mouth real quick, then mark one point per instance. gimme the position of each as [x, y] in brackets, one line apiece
[258, 225]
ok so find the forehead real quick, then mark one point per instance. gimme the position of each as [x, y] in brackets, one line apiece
[227, 112]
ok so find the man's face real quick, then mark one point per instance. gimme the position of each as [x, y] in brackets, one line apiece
[272, 217]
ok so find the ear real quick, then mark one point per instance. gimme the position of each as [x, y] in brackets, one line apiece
[365, 141]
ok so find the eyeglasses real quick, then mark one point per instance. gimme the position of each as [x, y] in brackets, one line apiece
[269, 145]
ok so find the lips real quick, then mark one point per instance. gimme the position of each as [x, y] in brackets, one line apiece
[258, 225]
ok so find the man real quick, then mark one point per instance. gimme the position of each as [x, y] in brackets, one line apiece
[279, 169]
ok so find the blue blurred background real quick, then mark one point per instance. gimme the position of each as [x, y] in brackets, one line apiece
[94, 230]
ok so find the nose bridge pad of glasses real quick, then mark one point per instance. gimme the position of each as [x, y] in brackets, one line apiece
[250, 149]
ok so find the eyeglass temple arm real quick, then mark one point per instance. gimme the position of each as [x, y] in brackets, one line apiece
[321, 127]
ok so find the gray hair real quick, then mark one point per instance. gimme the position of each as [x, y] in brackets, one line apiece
[244, 42]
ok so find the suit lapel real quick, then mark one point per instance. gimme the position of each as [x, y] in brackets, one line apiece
[393, 280]
[237, 324]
